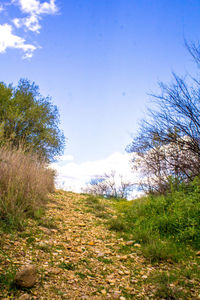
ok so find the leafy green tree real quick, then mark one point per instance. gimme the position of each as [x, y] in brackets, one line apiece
[29, 118]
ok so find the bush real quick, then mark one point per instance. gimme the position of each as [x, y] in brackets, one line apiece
[175, 216]
[25, 181]
[167, 226]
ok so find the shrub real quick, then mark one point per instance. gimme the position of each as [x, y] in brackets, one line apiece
[25, 181]
[167, 226]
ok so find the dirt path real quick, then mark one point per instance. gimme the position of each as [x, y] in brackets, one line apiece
[76, 256]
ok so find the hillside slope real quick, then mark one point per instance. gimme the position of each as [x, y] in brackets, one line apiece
[77, 257]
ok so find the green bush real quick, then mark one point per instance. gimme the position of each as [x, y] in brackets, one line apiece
[165, 225]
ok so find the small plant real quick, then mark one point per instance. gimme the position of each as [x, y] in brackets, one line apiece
[44, 248]
[30, 240]
[81, 275]
[192, 271]
[105, 260]
[158, 251]
[103, 215]
[47, 222]
[117, 225]
[67, 266]
[167, 286]
[7, 278]
[39, 213]
[95, 203]
[165, 291]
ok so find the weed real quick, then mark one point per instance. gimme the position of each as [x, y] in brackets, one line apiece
[67, 266]
[105, 260]
[167, 286]
[24, 234]
[84, 260]
[44, 248]
[103, 215]
[81, 275]
[7, 278]
[30, 240]
[164, 291]
[96, 204]
[125, 249]
[47, 222]
[159, 250]
[117, 225]
[39, 213]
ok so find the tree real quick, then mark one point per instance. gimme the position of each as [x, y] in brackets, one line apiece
[109, 185]
[29, 118]
[168, 142]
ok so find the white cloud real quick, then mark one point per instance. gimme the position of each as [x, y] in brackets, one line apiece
[73, 176]
[9, 40]
[35, 9]
[32, 12]
[31, 23]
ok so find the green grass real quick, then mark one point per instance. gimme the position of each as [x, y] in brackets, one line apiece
[167, 227]
[176, 284]
[98, 206]
[30, 240]
[67, 266]
[47, 223]
[81, 275]
[105, 260]
[12, 223]
[45, 248]
[166, 289]
[117, 224]
[7, 278]
[95, 203]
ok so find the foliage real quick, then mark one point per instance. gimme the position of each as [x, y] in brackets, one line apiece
[26, 116]
[25, 181]
[166, 226]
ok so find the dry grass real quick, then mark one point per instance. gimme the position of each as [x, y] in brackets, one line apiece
[25, 181]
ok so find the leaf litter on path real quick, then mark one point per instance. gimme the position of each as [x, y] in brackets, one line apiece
[76, 259]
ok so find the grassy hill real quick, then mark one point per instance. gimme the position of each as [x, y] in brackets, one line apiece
[87, 247]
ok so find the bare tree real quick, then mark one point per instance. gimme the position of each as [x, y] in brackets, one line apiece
[168, 142]
[109, 185]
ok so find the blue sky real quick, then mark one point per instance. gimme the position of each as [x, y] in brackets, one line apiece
[98, 59]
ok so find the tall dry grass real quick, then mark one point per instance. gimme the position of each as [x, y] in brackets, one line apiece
[25, 182]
